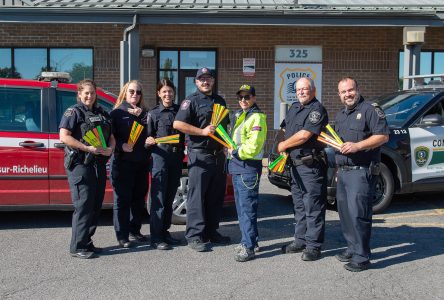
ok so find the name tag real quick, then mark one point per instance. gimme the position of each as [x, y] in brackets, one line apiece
[95, 119]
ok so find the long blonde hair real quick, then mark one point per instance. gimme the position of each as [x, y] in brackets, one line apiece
[122, 94]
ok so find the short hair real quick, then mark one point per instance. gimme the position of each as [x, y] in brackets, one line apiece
[310, 82]
[348, 78]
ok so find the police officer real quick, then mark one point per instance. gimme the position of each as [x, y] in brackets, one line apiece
[363, 128]
[85, 166]
[303, 124]
[206, 159]
[129, 170]
[166, 166]
[249, 132]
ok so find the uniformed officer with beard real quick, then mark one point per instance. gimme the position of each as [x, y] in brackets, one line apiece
[303, 123]
[363, 128]
[206, 161]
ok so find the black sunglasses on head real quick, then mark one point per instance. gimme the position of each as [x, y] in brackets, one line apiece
[138, 92]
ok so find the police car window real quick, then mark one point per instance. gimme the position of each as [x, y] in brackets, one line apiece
[399, 108]
[66, 99]
[20, 109]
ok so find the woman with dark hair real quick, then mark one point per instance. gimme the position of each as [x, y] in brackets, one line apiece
[166, 165]
[85, 165]
[129, 170]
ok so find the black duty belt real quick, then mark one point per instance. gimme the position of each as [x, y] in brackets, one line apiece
[170, 148]
[205, 151]
[349, 168]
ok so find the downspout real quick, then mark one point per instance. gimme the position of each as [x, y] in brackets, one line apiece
[126, 53]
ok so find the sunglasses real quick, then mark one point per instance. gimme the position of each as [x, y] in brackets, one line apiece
[138, 92]
[246, 97]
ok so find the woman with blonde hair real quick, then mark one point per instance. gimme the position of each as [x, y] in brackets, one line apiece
[129, 168]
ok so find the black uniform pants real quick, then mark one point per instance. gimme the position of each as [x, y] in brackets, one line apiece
[309, 192]
[354, 195]
[87, 185]
[206, 192]
[130, 183]
[165, 178]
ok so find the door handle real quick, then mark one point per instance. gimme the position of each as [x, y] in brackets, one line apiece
[31, 144]
[59, 145]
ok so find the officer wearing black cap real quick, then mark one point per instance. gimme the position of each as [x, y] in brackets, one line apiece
[363, 128]
[166, 165]
[206, 160]
[85, 166]
[303, 124]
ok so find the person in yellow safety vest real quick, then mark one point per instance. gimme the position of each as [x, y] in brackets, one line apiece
[249, 132]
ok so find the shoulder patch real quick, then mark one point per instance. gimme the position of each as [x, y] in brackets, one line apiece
[185, 104]
[380, 112]
[69, 112]
[256, 128]
[314, 117]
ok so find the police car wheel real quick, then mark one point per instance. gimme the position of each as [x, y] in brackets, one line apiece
[180, 201]
[385, 187]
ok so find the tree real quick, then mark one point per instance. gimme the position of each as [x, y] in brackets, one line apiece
[80, 71]
[9, 73]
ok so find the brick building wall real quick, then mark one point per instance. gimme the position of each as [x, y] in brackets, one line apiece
[370, 54]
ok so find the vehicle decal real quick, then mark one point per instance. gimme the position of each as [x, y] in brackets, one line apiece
[427, 150]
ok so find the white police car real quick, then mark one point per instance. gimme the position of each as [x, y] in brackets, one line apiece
[413, 158]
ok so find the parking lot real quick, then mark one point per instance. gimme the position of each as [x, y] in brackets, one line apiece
[407, 261]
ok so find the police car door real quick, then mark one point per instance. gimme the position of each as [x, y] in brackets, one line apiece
[23, 147]
[427, 144]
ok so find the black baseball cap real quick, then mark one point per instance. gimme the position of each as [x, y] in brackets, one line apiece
[247, 88]
[204, 71]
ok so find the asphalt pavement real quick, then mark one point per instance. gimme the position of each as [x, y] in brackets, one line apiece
[407, 261]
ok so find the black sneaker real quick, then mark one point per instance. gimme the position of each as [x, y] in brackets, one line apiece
[170, 240]
[343, 256]
[125, 243]
[138, 237]
[218, 238]
[357, 267]
[311, 254]
[94, 249]
[199, 246]
[292, 248]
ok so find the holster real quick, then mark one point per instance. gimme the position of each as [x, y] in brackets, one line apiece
[69, 157]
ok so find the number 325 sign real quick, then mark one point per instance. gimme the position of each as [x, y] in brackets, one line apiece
[298, 54]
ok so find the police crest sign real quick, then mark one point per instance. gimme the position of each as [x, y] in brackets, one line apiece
[421, 155]
[286, 75]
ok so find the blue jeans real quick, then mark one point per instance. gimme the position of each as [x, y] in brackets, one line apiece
[246, 194]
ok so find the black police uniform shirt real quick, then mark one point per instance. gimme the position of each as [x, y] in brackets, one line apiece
[160, 122]
[122, 124]
[196, 110]
[75, 116]
[357, 124]
[311, 117]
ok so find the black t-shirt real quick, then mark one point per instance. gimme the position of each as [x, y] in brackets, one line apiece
[358, 124]
[122, 124]
[197, 110]
[311, 117]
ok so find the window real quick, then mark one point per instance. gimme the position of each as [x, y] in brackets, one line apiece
[28, 63]
[431, 62]
[20, 110]
[180, 66]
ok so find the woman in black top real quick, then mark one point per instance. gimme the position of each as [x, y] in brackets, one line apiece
[85, 165]
[129, 171]
[166, 168]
